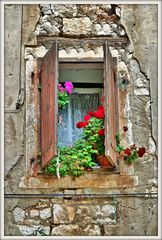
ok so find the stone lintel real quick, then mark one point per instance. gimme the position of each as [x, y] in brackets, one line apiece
[110, 181]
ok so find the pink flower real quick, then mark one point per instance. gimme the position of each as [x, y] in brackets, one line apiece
[68, 87]
[60, 88]
[87, 117]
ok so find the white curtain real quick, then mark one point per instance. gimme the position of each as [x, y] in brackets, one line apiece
[79, 105]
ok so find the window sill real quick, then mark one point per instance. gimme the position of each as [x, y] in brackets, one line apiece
[108, 181]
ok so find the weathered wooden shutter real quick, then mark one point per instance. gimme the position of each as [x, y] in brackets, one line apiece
[48, 111]
[111, 113]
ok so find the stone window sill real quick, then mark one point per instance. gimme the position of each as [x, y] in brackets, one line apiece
[108, 181]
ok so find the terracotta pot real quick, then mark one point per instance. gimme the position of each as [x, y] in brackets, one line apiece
[103, 161]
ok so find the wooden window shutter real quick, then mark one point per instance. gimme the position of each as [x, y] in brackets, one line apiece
[49, 106]
[111, 112]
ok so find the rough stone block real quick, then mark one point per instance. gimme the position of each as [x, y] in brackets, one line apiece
[76, 230]
[34, 230]
[67, 230]
[60, 214]
[45, 213]
[77, 26]
[19, 214]
[96, 214]
[34, 213]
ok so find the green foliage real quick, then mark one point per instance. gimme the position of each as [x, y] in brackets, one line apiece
[63, 99]
[132, 157]
[80, 157]
[91, 133]
[74, 160]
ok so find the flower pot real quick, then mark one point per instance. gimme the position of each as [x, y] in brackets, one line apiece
[103, 161]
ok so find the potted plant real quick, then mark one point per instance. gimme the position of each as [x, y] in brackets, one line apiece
[93, 132]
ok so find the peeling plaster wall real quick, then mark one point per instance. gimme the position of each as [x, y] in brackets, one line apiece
[58, 216]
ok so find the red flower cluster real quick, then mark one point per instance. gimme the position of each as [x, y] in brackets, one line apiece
[81, 124]
[141, 151]
[99, 113]
[100, 132]
[127, 151]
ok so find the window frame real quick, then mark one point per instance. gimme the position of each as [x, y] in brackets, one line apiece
[109, 66]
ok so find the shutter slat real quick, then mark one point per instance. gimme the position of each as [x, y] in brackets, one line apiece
[111, 114]
[48, 76]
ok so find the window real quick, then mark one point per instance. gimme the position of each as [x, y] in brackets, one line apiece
[48, 69]
[87, 79]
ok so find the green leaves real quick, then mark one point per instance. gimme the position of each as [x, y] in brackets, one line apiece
[63, 99]
[119, 148]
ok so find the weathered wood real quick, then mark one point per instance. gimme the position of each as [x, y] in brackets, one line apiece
[111, 115]
[48, 80]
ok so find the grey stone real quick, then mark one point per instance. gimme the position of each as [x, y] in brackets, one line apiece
[19, 214]
[66, 11]
[45, 213]
[141, 91]
[96, 214]
[106, 29]
[92, 230]
[60, 214]
[46, 9]
[34, 230]
[77, 26]
[51, 30]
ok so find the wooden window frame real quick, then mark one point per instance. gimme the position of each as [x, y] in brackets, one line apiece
[48, 72]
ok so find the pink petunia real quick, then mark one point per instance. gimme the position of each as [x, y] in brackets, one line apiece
[68, 87]
[60, 88]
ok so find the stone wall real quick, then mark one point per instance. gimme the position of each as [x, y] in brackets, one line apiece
[133, 38]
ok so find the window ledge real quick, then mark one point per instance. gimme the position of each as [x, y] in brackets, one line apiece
[110, 181]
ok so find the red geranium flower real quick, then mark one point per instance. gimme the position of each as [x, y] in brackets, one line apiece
[125, 128]
[127, 151]
[92, 114]
[85, 124]
[100, 108]
[99, 114]
[87, 117]
[141, 151]
[100, 132]
[79, 124]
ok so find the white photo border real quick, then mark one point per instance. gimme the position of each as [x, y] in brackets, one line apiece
[2, 3]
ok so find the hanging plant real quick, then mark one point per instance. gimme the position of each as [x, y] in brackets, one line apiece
[129, 153]
[63, 94]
